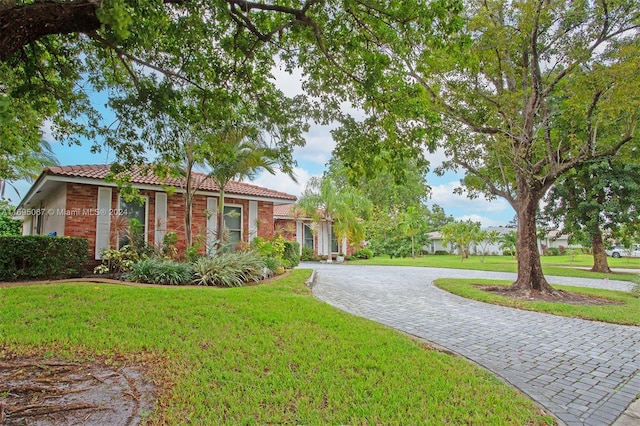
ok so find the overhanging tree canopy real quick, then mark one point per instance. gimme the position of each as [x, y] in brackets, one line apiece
[524, 100]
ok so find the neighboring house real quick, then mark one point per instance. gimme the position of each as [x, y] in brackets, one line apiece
[553, 239]
[76, 201]
[317, 236]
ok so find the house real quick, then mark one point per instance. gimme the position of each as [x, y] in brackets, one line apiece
[76, 201]
[318, 236]
[553, 239]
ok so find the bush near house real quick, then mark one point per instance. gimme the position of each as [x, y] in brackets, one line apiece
[37, 257]
[291, 254]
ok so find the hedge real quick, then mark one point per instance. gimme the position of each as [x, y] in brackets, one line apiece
[37, 257]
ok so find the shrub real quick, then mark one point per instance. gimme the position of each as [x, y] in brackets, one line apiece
[308, 254]
[37, 257]
[441, 252]
[274, 247]
[157, 271]
[365, 253]
[115, 262]
[229, 269]
[8, 225]
[291, 253]
[272, 264]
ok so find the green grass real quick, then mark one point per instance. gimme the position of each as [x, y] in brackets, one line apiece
[626, 312]
[552, 265]
[264, 354]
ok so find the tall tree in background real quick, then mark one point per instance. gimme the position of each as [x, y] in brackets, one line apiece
[595, 200]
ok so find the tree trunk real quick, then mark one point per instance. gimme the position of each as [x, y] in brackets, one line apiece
[23, 24]
[188, 199]
[530, 276]
[220, 226]
[600, 263]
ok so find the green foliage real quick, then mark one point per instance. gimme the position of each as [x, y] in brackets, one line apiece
[508, 243]
[273, 247]
[344, 207]
[8, 225]
[42, 257]
[308, 254]
[229, 269]
[158, 271]
[463, 234]
[272, 264]
[169, 242]
[365, 253]
[291, 253]
[193, 253]
[216, 353]
[115, 262]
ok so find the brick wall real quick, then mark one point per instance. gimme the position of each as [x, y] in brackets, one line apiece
[83, 197]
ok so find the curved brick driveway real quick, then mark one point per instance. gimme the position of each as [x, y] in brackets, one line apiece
[584, 372]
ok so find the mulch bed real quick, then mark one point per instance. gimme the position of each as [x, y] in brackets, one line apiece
[559, 296]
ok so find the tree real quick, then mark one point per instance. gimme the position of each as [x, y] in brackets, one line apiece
[506, 94]
[437, 218]
[463, 234]
[485, 238]
[27, 164]
[509, 242]
[412, 223]
[594, 200]
[342, 207]
[233, 154]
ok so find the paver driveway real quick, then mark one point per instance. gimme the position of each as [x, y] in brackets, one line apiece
[584, 372]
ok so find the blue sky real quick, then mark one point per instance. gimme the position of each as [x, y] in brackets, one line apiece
[311, 160]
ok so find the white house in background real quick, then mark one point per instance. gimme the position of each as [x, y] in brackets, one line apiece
[553, 239]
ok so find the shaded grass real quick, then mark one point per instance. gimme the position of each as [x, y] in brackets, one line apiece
[259, 355]
[627, 313]
[564, 266]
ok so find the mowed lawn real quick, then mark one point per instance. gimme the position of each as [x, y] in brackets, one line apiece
[564, 265]
[265, 354]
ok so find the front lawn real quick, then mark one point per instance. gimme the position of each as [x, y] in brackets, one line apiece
[565, 265]
[266, 354]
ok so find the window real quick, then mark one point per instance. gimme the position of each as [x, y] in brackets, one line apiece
[334, 242]
[233, 224]
[133, 210]
[308, 237]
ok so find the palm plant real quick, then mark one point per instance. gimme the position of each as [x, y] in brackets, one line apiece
[27, 166]
[412, 223]
[343, 208]
[235, 153]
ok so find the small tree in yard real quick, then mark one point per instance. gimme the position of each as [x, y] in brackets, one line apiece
[412, 223]
[486, 238]
[462, 234]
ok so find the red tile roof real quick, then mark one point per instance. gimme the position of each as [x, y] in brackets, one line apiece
[283, 210]
[140, 176]
[288, 210]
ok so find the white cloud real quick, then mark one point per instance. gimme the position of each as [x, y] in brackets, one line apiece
[489, 213]
[485, 221]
